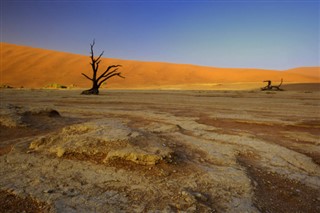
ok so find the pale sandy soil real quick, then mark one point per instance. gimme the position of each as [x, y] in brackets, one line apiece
[165, 151]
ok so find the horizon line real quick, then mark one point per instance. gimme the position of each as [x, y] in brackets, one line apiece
[167, 62]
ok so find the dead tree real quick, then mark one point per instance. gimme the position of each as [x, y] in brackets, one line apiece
[97, 81]
[270, 87]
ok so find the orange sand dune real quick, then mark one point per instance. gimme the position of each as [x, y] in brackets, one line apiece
[34, 67]
[306, 71]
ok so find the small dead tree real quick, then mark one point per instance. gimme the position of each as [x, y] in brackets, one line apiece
[270, 87]
[97, 81]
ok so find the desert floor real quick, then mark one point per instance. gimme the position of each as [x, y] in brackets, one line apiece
[160, 150]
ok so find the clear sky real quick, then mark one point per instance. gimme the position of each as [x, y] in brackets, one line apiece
[271, 34]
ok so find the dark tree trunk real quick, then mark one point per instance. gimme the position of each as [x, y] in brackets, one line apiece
[93, 91]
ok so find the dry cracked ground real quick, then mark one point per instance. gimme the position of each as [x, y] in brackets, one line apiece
[159, 151]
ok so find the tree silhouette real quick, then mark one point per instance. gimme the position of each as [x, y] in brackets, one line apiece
[271, 87]
[110, 72]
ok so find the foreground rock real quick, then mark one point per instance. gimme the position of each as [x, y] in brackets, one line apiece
[103, 140]
[17, 116]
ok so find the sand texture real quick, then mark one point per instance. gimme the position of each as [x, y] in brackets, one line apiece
[160, 151]
[38, 68]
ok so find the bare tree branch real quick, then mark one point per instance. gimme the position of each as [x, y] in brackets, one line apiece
[110, 73]
[107, 70]
[270, 87]
[280, 83]
[118, 74]
[97, 59]
[91, 52]
[86, 76]
[97, 66]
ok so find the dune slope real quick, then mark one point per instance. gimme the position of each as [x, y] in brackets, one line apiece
[36, 68]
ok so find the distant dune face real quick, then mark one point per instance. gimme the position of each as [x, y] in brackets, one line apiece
[36, 68]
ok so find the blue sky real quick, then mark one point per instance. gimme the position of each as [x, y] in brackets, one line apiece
[250, 34]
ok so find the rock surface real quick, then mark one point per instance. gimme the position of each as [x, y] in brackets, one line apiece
[165, 151]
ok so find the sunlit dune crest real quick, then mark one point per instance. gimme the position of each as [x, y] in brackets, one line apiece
[35, 68]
